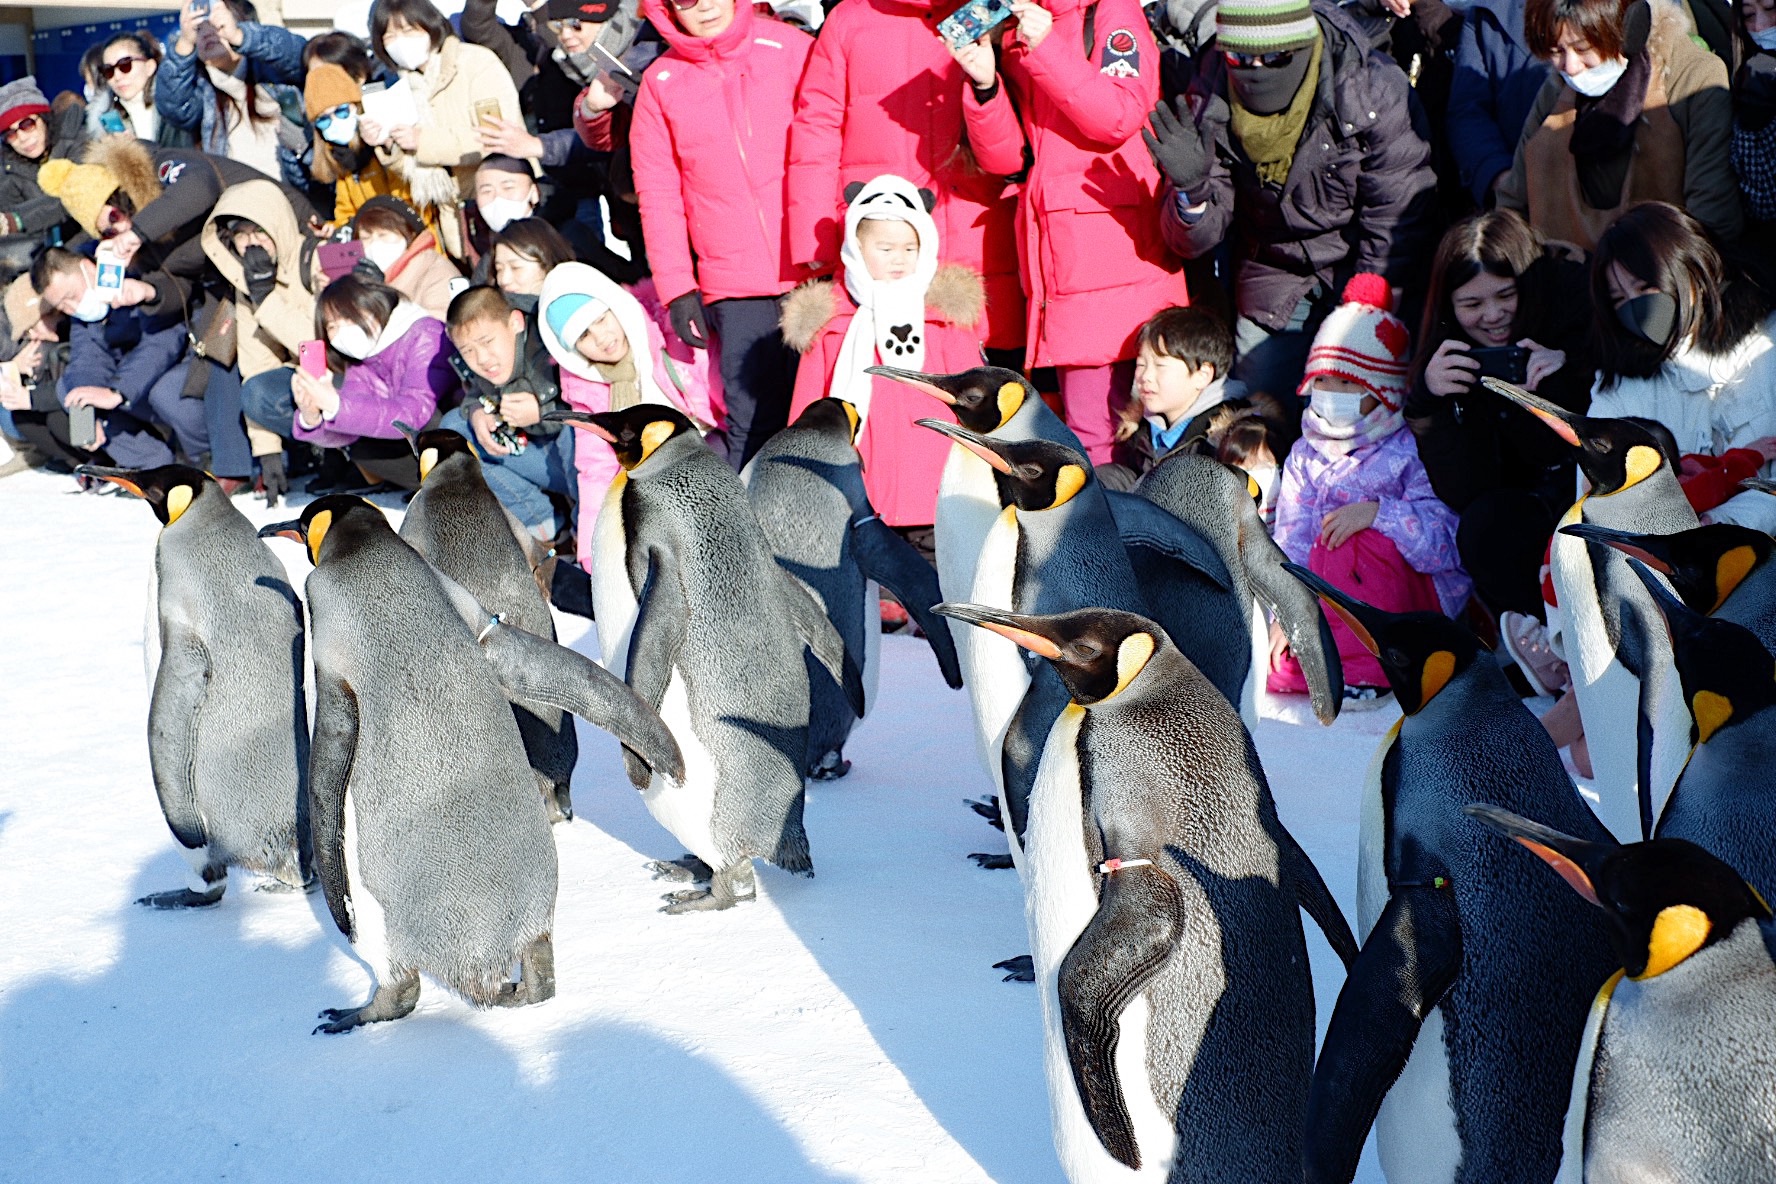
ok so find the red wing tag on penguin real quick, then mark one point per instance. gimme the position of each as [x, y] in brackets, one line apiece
[1122, 55]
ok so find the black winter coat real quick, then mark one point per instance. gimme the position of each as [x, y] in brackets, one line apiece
[19, 193]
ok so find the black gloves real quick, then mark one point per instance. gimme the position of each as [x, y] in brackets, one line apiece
[688, 320]
[1754, 98]
[272, 481]
[1182, 150]
[367, 269]
[259, 271]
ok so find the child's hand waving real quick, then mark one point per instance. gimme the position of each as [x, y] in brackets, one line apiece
[1337, 527]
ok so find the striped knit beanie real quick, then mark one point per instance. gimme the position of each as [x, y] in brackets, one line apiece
[1364, 342]
[1265, 26]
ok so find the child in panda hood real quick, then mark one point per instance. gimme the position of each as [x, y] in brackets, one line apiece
[892, 306]
[613, 354]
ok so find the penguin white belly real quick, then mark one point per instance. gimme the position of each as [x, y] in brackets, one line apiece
[1609, 695]
[1578, 1105]
[1060, 902]
[613, 599]
[1372, 886]
[1415, 1133]
[686, 809]
[995, 672]
[872, 644]
[1253, 694]
[369, 924]
[967, 504]
[151, 624]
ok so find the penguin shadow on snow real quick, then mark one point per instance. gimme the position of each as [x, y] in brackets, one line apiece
[190, 1056]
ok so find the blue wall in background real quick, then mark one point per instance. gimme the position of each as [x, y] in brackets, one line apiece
[59, 50]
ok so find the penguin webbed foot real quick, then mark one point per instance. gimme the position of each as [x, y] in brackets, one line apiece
[727, 888]
[392, 1001]
[992, 862]
[184, 898]
[686, 870]
[536, 976]
[1021, 969]
[987, 808]
[830, 767]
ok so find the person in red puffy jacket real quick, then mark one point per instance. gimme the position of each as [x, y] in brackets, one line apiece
[1084, 76]
[883, 95]
[709, 144]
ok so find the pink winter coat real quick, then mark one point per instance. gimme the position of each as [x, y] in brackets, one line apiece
[882, 95]
[709, 145]
[902, 462]
[407, 378]
[1094, 264]
[1390, 473]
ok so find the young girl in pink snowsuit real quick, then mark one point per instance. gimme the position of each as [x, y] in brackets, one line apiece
[1356, 506]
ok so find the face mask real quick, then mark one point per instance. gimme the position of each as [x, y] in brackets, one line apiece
[352, 341]
[409, 51]
[1652, 317]
[1265, 90]
[92, 306]
[340, 129]
[383, 253]
[1766, 39]
[1597, 80]
[501, 211]
[1338, 408]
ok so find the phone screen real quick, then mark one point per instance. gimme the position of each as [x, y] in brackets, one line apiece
[83, 429]
[486, 110]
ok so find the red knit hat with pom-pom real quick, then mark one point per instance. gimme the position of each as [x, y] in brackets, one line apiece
[1364, 342]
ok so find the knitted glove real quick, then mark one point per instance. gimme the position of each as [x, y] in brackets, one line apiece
[273, 484]
[689, 321]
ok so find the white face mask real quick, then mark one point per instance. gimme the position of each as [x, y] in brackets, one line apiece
[341, 129]
[409, 51]
[383, 252]
[502, 211]
[92, 306]
[1597, 80]
[1338, 408]
[352, 341]
[1766, 39]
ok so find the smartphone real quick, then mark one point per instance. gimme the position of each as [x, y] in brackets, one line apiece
[200, 8]
[110, 269]
[311, 358]
[1507, 363]
[486, 110]
[83, 428]
[338, 259]
[967, 24]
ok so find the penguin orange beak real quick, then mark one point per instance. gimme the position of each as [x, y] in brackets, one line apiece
[1758, 485]
[1569, 857]
[924, 382]
[582, 419]
[1632, 545]
[1349, 609]
[1563, 422]
[125, 478]
[409, 434]
[1014, 627]
[977, 444]
[291, 530]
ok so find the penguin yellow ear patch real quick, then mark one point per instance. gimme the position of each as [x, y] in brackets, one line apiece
[851, 414]
[654, 435]
[1132, 657]
[178, 501]
[317, 531]
[1730, 570]
[1711, 712]
[1252, 490]
[427, 460]
[1642, 462]
[1434, 675]
[1069, 481]
[1011, 397]
[1678, 931]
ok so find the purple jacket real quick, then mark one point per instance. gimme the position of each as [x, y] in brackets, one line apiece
[407, 378]
[1388, 472]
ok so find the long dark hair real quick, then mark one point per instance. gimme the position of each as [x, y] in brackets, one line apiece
[1497, 243]
[243, 11]
[1718, 306]
[147, 45]
[534, 239]
[363, 302]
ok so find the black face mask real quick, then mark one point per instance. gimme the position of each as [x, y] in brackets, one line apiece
[1652, 317]
[1265, 90]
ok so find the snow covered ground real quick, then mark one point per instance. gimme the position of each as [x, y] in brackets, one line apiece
[848, 1027]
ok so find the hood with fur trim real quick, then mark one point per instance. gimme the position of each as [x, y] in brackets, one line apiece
[957, 295]
[263, 204]
[580, 279]
[132, 163]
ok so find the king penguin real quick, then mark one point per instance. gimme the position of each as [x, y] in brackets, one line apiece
[227, 716]
[1719, 570]
[1615, 645]
[459, 526]
[1676, 1078]
[431, 842]
[1177, 1000]
[1460, 1019]
[694, 612]
[806, 485]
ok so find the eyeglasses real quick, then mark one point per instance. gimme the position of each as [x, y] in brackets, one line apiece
[572, 24]
[325, 118]
[120, 66]
[28, 123]
[682, 6]
[1274, 60]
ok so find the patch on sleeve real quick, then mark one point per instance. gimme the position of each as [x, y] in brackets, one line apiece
[1122, 55]
[170, 170]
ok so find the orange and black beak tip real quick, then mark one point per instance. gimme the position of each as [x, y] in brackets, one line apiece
[1758, 485]
[123, 478]
[1011, 626]
[1347, 608]
[931, 384]
[1668, 604]
[1561, 421]
[972, 441]
[1562, 852]
[582, 419]
[291, 530]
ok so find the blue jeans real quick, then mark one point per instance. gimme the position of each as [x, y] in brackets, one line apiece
[267, 400]
[133, 444]
[523, 480]
[230, 454]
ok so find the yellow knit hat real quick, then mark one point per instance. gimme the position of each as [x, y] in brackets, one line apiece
[83, 188]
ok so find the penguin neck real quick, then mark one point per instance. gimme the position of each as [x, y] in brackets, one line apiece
[1655, 505]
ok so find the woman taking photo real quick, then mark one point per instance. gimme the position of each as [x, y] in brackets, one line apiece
[1495, 288]
[123, 94]
[227, 80]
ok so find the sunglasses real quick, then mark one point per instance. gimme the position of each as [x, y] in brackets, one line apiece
[572, 24]
[1269, 61]
[28, 123]
[120, 66]
[326, 118]
[683, 5]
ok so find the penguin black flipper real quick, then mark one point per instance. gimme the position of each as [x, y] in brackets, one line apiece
[892, 562]
[180, 685]
[1304, 623]
[536, 670]
[1139, 920]
[1411, 958]
[1026, 735]
[823, 641]
[1141, 523]
[654, 642]
[1315, 898]
[330, 758]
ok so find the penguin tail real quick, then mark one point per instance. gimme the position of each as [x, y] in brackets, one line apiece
[792, 854]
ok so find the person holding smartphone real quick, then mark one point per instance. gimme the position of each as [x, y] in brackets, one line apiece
[30, 134]
[228, 80]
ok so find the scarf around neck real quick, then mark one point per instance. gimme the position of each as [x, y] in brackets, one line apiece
[889, 324]
[1269, 141]
[1602, 141]
[1338, 440]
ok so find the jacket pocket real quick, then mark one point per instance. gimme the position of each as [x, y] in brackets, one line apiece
[1099, 232]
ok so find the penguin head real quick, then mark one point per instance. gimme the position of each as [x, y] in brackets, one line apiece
[1615, 454]
[1032, 474]
[1664, 899]
[1097, 652]
[1727, 674]
[433, 446]
[985, 398]
[168, 490]
[831, 417]
[1421, 653]
[318, 520]
[1704, 564]
[634, 433]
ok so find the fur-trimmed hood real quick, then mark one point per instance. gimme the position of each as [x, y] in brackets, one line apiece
[957, 295]
[131, 162]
